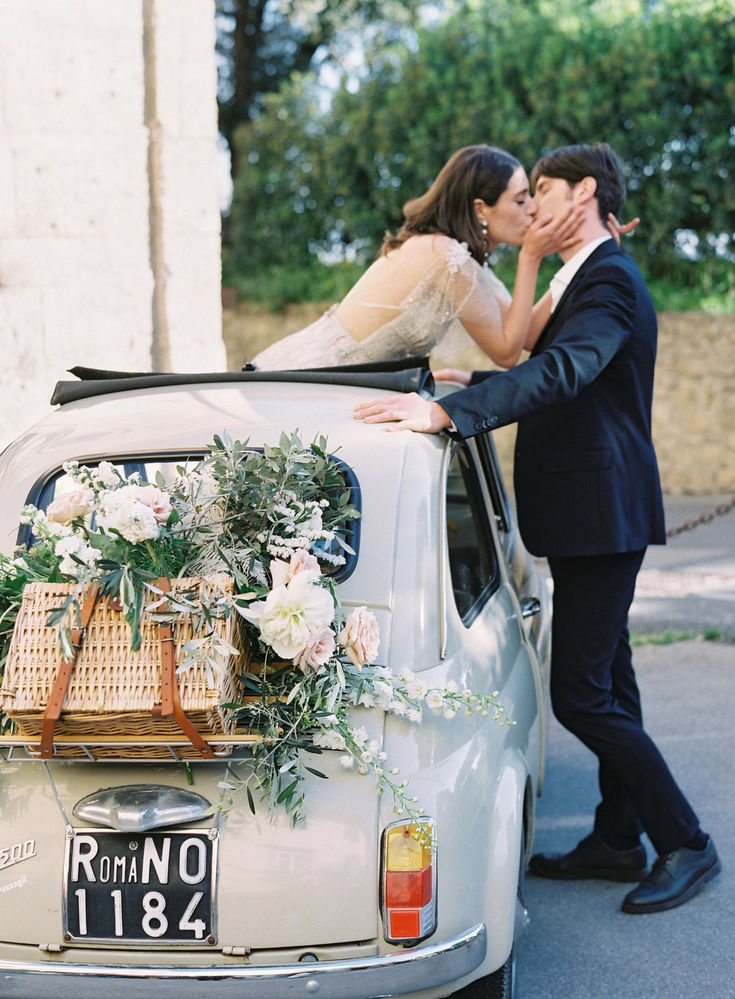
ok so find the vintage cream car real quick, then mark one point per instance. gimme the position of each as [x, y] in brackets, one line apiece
[247, 907]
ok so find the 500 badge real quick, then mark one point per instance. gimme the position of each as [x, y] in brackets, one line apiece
[18, 852]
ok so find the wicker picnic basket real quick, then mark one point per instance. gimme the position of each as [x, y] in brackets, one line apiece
[113, 691]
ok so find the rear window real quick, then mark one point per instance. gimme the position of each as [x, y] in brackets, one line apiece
[166, 466]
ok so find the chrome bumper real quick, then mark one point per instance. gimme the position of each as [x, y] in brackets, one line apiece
[395, 974]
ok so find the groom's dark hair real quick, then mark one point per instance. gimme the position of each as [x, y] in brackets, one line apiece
[574, 163]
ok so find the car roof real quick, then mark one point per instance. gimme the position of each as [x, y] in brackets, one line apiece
[409, 374]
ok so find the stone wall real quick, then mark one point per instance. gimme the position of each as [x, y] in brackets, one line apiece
[694, 403]
[109, 214]
[694, 395]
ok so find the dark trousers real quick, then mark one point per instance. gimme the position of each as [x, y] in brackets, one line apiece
[594, 694]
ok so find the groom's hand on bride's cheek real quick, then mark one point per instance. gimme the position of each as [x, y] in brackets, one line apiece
[405, 412]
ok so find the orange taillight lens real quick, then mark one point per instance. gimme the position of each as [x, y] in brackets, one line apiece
[409, 881]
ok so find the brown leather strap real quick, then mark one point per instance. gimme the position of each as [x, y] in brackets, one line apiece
[63, 676]
[170, 702]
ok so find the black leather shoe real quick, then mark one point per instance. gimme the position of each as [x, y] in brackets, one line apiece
[591, 858]
[674, 878]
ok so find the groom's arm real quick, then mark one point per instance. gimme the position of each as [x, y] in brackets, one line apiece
[583, 347]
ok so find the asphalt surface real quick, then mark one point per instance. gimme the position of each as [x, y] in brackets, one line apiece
[579, 944]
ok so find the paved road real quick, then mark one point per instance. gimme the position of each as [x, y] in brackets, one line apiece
[689, 583]
[579, 945]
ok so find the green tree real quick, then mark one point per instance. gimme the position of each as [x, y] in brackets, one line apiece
[262, 43]
[654, 79]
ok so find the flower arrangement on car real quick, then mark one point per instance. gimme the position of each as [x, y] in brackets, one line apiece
[274, 523]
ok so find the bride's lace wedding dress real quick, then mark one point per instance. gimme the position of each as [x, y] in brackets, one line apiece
[454, 288]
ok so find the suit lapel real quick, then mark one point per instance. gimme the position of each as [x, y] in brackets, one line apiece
[559, 314]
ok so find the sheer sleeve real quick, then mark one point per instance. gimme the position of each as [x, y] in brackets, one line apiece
[469, 294]
[453, 288]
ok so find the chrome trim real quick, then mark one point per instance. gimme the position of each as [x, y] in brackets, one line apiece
[140, 807]
[18, 748]
[443, 549]
[530, 606]
[395, 974]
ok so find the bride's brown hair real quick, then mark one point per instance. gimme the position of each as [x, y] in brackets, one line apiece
[447, 207]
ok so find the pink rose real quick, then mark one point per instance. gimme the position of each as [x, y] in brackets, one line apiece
[301, 561]
[157, 500]
[318, 651]
[68, 507]
[360, 636]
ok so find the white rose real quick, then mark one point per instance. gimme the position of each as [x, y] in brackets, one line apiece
[291, 614]
[360, 636]
[64, 509]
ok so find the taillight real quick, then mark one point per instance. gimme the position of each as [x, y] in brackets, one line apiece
[408, 890]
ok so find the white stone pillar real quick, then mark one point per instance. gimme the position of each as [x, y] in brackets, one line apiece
[81, 211]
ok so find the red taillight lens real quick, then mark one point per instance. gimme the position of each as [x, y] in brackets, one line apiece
[411, 888]
[409, 881]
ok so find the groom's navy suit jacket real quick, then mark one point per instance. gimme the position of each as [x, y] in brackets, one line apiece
[586, 478]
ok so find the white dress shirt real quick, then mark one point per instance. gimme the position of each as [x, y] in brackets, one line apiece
[560, 281]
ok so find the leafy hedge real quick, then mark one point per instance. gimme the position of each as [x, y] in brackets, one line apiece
[655, 80]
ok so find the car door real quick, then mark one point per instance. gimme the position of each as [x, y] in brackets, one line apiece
[495, 593]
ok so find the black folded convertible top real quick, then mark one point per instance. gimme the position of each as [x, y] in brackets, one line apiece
[408, 374]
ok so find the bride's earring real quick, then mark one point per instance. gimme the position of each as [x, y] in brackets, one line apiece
[483, 230]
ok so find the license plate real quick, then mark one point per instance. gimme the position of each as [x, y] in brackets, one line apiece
[151, 888]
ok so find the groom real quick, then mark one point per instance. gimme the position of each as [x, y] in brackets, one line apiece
[589, 499]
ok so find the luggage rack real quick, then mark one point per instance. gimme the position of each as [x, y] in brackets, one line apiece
[69, 749]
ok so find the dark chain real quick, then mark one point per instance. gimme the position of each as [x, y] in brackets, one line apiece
[703, 518]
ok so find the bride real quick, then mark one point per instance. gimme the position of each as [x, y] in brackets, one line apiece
[432, 279]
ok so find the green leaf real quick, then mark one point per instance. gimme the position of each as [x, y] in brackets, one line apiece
[287, 792]
[317, 773]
